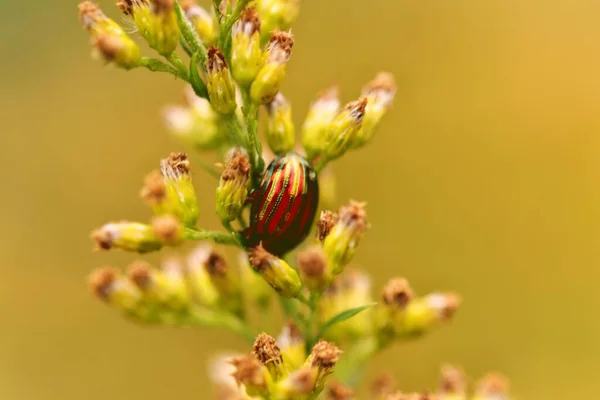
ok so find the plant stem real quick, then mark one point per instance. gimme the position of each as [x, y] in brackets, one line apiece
[190, 36]
[217, 237]
[250, 111]
[179, 64]
[311, 337]
[155, 65]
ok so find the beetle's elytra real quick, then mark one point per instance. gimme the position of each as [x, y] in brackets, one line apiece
[284, 206]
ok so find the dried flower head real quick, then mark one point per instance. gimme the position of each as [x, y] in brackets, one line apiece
[325, 224]
[338, 391]
[397, 292]
[325, 355]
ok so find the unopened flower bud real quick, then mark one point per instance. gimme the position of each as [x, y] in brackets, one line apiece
[109, 40]
[233, 186]
[380, 94]
[197, 124]
[313, 267]
[397, 293]
[175, 194]
[280, 127]
[255, 288]
[278, 14]
[201, 20]
[317, 123]
[220, 85]
[156, 21]
[168, 229]
[110, 286]
[325, 224]
[283, 278]
[129, 236]
[493, 386]
[323, 357]
[453, 385]
[160, 289]
[246, 51]
[252, 374]
[344, 129]
[268, 353]
[271, 75]
[291, 343]
[343, 239]
[382, 385]
[338, 391]
[298, 385]
[199, 280]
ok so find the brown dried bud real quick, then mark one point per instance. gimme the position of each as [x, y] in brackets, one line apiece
[101, 281]
[248, 372]
[216, 264]
[266, 351]
[260, 258]
[178, 163]
[445, 304]
[215, 61]
[311, 262]
[90, 14]
[248, 23]
[453, 380]
[139, 272]
[382, 386]
[237, 167]
[154, 190]
[325, 355]
[168, 229]
[397, 292]
[325, 223]
[162, 6]
[337, 391]
[280, 47]
[381, 89]
[354, 215]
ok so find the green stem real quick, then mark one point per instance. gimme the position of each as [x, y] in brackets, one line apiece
[311, 337]
[155, 65]
[179, 64]
[237, 131]
[250, 111]
[190, 35]
[217, 237]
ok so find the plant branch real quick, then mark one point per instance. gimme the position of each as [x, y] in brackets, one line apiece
[155, 65]
[190, 36]
[217, 237]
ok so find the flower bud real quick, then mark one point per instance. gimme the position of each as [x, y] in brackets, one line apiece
[198, 124]
[164, 288]
[283, 278]
[280, 127]
[325, 224]
[269, 355]
[493, 386]
[220, 85]
[246, 51]
[199, 279]
[453, 385]
[425, 313]
[278, 14]
[382, 385]
[220, 276]
[171, 191]
[291, 343]
[128, 236]
[341, 242]
[201, 20]
[379, 93]
[318, 122]
[233, 186]
[271, 75]
[344, 129]
[109, 40]
[110, 286]
[168, 229]
[252, 374]
[313, 267]
[156, 21]
[255, 289]
[338, 391]
[323, 357]
[298, 385]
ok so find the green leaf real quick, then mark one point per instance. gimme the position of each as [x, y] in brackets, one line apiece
[195, 79]
[343, 316]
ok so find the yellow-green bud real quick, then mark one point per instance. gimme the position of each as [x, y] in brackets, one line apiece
[323, 357]
[313, 267]
[454, 384]
[298, 385]
[380, 94]
[271, 75]
[344, 129]
[156, 21]
[268, 354]
[425, 313]
[129, 236]
[252, 374]
[278, 274]
[110, 286]
[109, 40]
[246, 51]
[493, 386]
[197, 123]
[318, 122]
[233, 186]
[255, 289]
[291, 342]
[280, 127]
[200, 281]
[341, 242]
[201, 20]
[220, 85]
[171, 191]
[278, 14]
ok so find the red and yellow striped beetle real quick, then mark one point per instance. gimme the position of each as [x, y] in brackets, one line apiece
[284, 205]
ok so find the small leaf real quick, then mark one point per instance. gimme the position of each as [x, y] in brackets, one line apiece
[195, 79]
[344, 315]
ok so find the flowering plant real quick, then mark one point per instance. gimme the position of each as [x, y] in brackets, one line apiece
[238, 55]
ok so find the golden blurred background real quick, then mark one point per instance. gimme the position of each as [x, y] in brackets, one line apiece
[483, 180]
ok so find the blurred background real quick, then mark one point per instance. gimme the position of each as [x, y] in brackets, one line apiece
[482, 180]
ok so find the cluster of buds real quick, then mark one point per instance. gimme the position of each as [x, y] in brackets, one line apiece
[267, 373]
[403, 315]
[453, 386]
